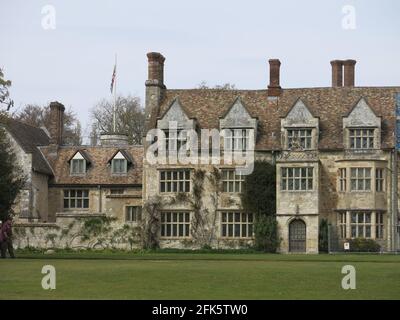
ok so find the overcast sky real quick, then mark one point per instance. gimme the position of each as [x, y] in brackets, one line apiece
[215, 41]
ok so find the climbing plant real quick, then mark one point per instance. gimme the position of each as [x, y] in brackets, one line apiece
[259, 197]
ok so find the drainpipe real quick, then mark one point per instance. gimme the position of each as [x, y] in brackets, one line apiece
[394, 201]
[100, 194]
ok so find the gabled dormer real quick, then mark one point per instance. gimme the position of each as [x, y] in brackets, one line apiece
[362, 128]
[120, 162]
[175, 123]
[79, 163]
[299, 128]
[239, 125]
[176, 114]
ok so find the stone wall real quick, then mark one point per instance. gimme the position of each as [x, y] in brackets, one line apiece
[78, 231]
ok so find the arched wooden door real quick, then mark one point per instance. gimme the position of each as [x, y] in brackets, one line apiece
[297, 236]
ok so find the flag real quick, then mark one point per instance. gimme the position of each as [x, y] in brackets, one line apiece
[113, 78]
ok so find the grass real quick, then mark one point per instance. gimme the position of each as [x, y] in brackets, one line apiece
[175, 275]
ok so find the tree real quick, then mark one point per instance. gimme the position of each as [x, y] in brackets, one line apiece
[38, 116]
[129, 118]
[323, 236]
[259, 197]
[5, 99]
[11, 178]
[225, 86]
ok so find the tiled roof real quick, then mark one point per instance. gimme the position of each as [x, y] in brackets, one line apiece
[99, 171]
[29, 137]
[329, 104]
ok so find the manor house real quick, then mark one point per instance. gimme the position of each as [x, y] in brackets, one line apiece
[334, 149]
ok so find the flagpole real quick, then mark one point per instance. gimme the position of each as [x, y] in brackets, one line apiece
[115, 97]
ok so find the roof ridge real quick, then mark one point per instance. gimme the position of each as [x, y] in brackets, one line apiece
[26, 124]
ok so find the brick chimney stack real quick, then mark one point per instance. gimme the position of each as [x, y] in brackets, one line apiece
[56, 123]
[156, 69]
[274, 88]
[349, 66]
[337, 73]
[155, 87]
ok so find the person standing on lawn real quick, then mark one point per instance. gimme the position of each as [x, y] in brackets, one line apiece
[6, 238]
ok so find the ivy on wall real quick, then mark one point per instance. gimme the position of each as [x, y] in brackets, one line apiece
[204, 220]
[259, 197]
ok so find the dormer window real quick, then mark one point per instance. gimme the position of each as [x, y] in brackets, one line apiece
[362, 128]
[237, 140]
[174, 141]
[120, 162]
[299, 138]
[119, 166]
[79, 163]
[239, 127]
[78, 166]
[299, 128]
[361, 138]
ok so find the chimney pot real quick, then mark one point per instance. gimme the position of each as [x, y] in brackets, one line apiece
[56, 127]
[156, 69]
[349, 73]
[337, 73]
[274, 88]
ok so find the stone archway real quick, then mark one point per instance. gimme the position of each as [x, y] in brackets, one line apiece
[297, 236]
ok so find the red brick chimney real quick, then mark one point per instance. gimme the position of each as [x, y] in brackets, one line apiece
[156, 68]
[337, 73]
[274, 88]
[56, 127]
[349, 66]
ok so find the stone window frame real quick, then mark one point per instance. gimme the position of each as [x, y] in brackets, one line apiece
[365, 134]
[185, 223]
[342, 223]
[358, 223]
[177, 141]
[83, 198]
[285, 178]
[124, 170]
[247, 224]
[374, 166]
[342, 179]
[185, 180]
[227, 180]
[379, 225]
[133, 213]
[379, 180]
[234, 137]
[373, 225]
[359, 178]
[79, 172]
[305, 136]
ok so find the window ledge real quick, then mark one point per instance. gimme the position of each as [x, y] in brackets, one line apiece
[123, 196]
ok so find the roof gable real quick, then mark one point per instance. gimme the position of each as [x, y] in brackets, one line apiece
[80, 154]
[299, 115]
[361, 115]
[175, 113]
[237, 115]
[29, 139]
[122, 154]
[299, 112]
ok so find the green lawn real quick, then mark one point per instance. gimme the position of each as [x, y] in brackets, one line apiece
[200, 276]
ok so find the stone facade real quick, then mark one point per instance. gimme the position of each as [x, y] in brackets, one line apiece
[334, 150]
